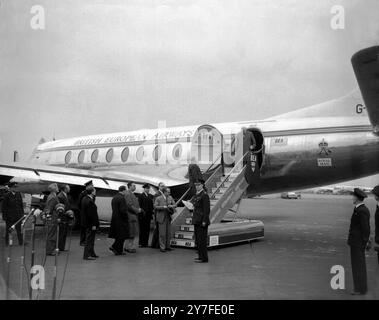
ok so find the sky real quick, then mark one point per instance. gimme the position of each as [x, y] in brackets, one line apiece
[104, 66]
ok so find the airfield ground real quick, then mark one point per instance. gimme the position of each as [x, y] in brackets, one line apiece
[304, 239]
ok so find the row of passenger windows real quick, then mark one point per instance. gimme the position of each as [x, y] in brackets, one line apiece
[140, 153]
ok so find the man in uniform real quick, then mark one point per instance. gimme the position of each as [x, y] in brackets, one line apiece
[134, 211]
[359, 234]
[119, 229]
[88, 185]
[201, 221]
[146, 202]
[12, 211]
[63, 227]
[155, 238]
[90, 221]
[375, 191]
[51, 203]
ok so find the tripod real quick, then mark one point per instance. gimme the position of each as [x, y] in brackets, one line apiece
[55, 275]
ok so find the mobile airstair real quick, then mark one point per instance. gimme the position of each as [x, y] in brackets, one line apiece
[225, 191]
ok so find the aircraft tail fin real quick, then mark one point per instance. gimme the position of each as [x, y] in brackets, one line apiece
[366, 68]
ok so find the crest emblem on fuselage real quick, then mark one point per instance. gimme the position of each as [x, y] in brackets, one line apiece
[324, 148]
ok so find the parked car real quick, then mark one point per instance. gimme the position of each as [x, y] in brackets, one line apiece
[290, 195]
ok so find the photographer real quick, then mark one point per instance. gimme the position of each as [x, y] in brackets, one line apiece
[66, 217]
[12, 211]
[52, 215]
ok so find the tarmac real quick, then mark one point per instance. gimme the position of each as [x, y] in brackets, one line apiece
[304, 239]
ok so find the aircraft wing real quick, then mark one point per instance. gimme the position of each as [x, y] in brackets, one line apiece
[105, 178]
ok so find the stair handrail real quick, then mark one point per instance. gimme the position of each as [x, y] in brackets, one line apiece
[228, 175]
[208, 169]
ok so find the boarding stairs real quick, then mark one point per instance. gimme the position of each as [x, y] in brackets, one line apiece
[225, 190]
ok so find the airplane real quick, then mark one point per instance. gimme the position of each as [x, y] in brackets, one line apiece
[320, 145]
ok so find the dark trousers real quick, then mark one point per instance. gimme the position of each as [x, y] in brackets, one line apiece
[83, 235]
[201, 238]
[358, 266]
[144, 231]
[118, 245]
[51, 242]
[18, 231]
[89, 248]
[155, 238]
[63, 229]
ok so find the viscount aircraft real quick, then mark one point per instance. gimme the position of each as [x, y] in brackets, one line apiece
[319, 145]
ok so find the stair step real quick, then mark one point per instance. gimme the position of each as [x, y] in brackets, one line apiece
[234, 174]
[220, 191]
[217, 196]
[184, 235]
[183, 243]
[213, 202]
[187, 227]
[226, 184]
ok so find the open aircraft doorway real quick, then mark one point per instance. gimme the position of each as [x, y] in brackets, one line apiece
[206, 147]
[253, 152]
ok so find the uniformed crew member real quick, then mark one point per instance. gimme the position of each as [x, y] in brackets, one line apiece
[163, 212]
[146, 202]
[200, 219]
[13, 211]
[375, 191]
[63, 228]
[51, 203]
[88, 185]
[134, 211]
[155, 238]
[359, 234]
[90, 220]
[119, 229]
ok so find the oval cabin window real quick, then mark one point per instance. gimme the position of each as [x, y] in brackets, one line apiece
[95, 156]
[67, 158]
[81, 156]
[177, 152]
[157, 152]
[140, 153]
[125, 154]
[109, 155]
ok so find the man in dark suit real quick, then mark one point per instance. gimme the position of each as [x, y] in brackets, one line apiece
[88, 185]
[12, 211]
[375, 191]
[155, 238]
[134, 211]
[163, 211]
[359, 234]
[90, 220]
[146, 202]
[119, 229]
[200, 219]
[63, 227]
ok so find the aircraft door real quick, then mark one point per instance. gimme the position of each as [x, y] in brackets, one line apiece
[253, 149]
[206, 147]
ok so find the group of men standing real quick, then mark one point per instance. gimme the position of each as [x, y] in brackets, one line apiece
[58, 211]
[132, 215]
